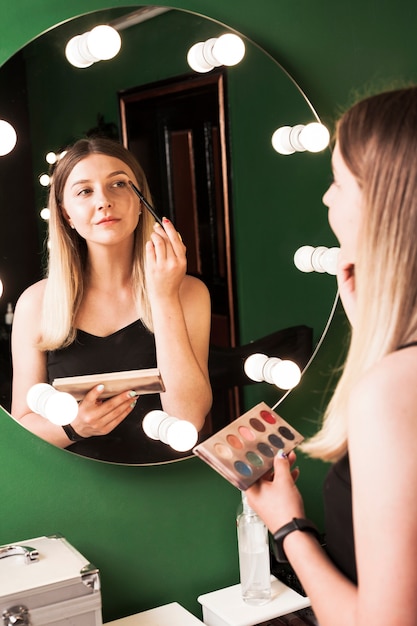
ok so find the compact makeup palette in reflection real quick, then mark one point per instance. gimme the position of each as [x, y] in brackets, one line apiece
[244, 450]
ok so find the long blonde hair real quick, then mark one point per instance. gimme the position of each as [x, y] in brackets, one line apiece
[67, 251]
[377, 138]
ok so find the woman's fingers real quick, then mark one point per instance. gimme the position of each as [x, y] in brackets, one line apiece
[99, 417]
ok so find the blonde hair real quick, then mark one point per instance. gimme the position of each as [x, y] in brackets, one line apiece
[67, 255]
[377, 138]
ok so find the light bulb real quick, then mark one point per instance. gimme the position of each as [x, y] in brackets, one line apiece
[285, 374]
[103, 42]
[282, 373]
[314, 137]
[45, 214]
[178, 434]
[74, 54]
[51, 158]
[58, 407]
[8, 137]
[44, 180]
[229, 49]
[196, 60]
[254, 365]
[281, 140]
[320, 259]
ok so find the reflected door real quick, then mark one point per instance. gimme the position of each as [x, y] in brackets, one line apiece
[178, 131]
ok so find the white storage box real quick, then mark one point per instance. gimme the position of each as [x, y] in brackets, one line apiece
[47, 581]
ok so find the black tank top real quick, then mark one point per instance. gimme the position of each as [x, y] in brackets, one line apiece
[130, 348]
[338, 513]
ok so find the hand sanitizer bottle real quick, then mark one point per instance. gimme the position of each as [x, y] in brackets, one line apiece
[254, 564]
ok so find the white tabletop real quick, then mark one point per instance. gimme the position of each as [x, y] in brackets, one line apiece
[168, 615]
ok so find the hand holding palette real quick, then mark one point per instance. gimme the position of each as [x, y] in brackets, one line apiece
[244, 450]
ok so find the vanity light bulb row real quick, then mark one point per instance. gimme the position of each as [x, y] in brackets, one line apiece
[99, 44]
[313, 137]
[320, 259]
[282, 373]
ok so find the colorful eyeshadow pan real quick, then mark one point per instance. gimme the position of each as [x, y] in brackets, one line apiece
[244, 450]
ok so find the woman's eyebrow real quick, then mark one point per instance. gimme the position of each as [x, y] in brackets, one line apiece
[85, 181]
[117, 173]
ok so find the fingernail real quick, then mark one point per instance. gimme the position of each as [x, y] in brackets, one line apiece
[281, 454]
[165, 219]
[133, 404]
[100, 387]
[132, 394]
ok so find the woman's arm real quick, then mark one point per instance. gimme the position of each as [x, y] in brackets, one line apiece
[382, 444]
[181, 315]
[29, 368]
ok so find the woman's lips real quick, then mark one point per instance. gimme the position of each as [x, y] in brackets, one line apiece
[107, 220]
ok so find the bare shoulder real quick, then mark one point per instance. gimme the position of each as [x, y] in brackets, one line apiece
[32, 294]
[386, 396]
[193, 288]
[30, 301]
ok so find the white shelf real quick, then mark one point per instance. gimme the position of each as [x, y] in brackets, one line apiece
[225, 607]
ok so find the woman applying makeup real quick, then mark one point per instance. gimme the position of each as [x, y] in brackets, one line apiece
[367, 574]
[116, 297]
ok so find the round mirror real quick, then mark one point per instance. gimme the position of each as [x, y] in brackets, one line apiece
[270, 204]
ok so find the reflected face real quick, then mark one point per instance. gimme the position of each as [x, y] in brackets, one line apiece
[344, 201]
[98, 201]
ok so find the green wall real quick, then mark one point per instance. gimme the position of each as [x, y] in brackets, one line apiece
[166, 533]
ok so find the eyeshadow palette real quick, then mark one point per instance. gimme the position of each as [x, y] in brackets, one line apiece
[244, 450]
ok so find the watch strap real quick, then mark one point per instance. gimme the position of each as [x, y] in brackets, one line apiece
[71, 433]
[297, 523]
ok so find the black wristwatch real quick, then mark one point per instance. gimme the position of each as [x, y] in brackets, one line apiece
[71, 434]
[296, 523]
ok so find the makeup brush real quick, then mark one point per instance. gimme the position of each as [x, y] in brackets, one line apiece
[146, 203]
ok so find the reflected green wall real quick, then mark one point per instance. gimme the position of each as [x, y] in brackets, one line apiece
[167, 533]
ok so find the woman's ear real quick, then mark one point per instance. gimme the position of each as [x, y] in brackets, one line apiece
[66, 217]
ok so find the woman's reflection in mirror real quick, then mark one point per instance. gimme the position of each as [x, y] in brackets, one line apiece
[116, 297]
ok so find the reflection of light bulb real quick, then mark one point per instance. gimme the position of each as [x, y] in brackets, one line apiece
[51, 158]
[179, 434]
[8, 137]
[283, 373]
[44, 180]
[56, 406]
[1, 288]
[104, 42]
[320, 259]
[100, 44]
[228, 49]
[254, 365]
[313, 137]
